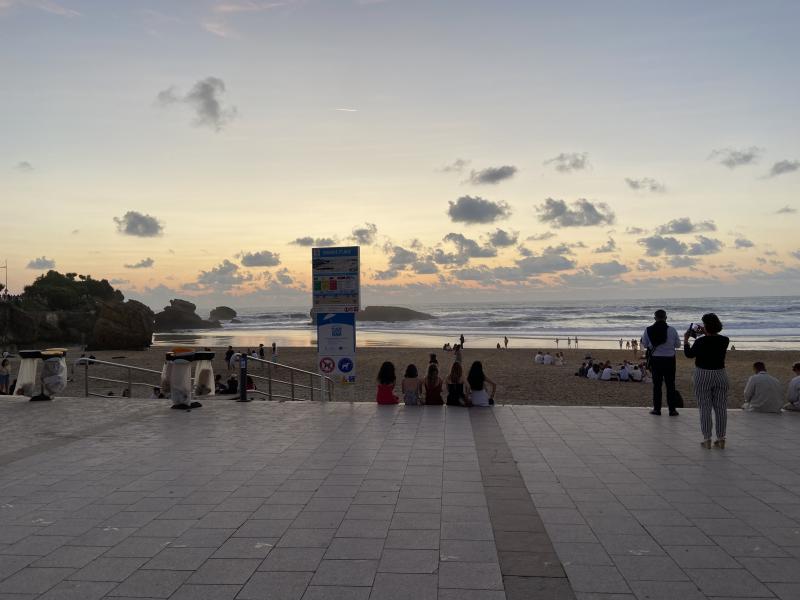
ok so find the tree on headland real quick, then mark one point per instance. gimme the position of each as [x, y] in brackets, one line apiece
[54, 291]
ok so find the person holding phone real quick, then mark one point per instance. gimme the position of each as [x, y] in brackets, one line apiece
[710, 378]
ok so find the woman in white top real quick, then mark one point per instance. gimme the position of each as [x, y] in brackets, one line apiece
[593, 372]
[476, 386]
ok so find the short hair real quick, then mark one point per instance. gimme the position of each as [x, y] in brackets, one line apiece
[759, 366]
[660, 314]
[711, 323]
[796, 366]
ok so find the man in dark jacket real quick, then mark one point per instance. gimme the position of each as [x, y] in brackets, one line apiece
[661, 340]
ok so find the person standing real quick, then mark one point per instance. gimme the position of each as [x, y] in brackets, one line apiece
[569, 342]
[576, 342]
[274, 352]
[461, 340]
[620, 343]
[557, 340]
[228, 356]
[710, 378]
[505, 341]
[661, 340]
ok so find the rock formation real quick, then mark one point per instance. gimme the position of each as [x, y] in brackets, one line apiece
[180, 314]
[122, 326]
[222, 313]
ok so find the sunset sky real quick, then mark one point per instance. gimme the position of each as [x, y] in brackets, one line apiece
[477, 150]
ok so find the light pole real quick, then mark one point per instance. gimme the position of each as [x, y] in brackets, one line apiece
[5, 266]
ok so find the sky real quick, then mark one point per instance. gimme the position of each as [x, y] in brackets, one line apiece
[497, 151]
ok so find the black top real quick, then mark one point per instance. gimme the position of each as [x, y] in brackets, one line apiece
[708, 351]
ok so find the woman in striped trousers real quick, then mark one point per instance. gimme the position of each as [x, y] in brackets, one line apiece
[710, 379]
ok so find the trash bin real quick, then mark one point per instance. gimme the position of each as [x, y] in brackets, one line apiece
[203, 374]
[177, 375]
[26, 377]
[54, 373]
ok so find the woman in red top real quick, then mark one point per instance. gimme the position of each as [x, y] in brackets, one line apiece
[386, 381]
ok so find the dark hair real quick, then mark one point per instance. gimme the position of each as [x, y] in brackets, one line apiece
[476, 377]
[433, 359]
[759, 366]
[4, 363]
[711, 323]
[796, 366]
[433, 374]
[660, 314]
[386, 373]
[411, 371]
[456, 372]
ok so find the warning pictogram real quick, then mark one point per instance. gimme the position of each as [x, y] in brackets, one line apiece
[327, 365]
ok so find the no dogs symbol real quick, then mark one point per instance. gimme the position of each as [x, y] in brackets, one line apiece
[327, 365]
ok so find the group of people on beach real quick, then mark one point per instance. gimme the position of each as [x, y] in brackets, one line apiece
[605, 371]
[549, 359]
[476, 389]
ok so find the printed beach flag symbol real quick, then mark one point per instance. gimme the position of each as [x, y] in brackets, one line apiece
[327, 365]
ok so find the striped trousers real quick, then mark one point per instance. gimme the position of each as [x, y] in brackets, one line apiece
[711, 392]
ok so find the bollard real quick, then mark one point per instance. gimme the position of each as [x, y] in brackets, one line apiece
[243, 379]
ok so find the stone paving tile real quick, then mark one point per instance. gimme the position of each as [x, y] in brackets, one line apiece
[292, 559]
[32, 580]
[108, 569]
[179, 559]
[206, 592]
[400, 586]
[78, 590]
[150, 584]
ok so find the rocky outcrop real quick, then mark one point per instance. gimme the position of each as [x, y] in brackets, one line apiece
[391, 313]
[122, 326]
[17, 327]
[222, 313]
[180, 314]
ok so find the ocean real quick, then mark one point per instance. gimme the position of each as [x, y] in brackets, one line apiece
[756, 323]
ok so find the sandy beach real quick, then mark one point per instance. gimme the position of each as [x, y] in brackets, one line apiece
[519, 380]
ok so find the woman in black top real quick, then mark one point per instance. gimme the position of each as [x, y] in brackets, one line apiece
[710, 379]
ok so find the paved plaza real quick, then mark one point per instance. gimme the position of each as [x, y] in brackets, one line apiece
[103, 498]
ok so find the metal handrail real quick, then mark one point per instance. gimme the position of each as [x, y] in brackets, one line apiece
[86, 362]
[326, 384]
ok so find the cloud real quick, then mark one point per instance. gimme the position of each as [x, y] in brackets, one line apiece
[609, 246]
[145, 263]
[685, 225]
[220, 29]
[582, 214]
[796, 254]
[118, 281]
[387, 274]
[205, 98]
[635, 230]
[75, 231]
[704, 245]
[679, 262]
[545, 263]
[647, 184]
[741, 243]
[248, 6]
[474, 209]
[569, 162]
[646, 265]
[539, 237]
[469, 248]
[732, 157]
[501, 238]
[47, 6]
[283, 277]
[611, 268]
[310, 241]
[425, 267]
[41, 263]
[784, 166]
[657, 245]
[365, 235]
[399, 257]
[138, 224]
[440, 257]
[786, 210]
[492, 175]
[23, 166]
[224, 276]
[457, 166]
[264, 258]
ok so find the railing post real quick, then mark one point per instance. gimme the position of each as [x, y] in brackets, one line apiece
[243, 378]
[130, 383]
[291, 383]
[269, 381]
[311, 386]
[86, 379]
